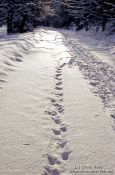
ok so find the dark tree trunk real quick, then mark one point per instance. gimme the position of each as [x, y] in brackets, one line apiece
[22, 24]
[9, 25]
[10, 22]
[86, 25]
[104, 24]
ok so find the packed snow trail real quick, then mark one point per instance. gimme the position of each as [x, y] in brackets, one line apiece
[99, 71]
[50, 121]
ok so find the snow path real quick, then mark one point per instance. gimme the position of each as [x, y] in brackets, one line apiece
[50, 121]
[101, 75]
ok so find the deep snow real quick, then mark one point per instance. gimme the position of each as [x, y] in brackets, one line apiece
[50, 121]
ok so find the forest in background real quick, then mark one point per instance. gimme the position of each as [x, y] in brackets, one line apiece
[24, 15]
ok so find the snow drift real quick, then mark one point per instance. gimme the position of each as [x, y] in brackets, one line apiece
[13, 48]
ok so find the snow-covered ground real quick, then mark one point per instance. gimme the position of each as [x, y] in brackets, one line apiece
[51, 123]
[95, 66]
[101, 44]
[12, 50]
[3, 31]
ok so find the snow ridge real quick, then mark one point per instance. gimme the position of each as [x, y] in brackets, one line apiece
[12, 50]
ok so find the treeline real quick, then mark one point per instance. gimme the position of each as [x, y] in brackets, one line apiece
[23, 15]
[86, 13]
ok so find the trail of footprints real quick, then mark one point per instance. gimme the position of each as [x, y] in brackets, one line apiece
[58, 152]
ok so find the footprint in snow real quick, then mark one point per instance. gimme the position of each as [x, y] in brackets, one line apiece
[57, 78]
[52, 113]
[52, 159]
[58, 88]
[2, 81]
[65, 155]
[59, 83]
[62, 144]
[63, 128]
[56, 131]
[59, 94]
[52, 171]
[56, 120]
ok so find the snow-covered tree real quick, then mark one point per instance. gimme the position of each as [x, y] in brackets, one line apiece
[105, 11]
[3, 11]
[87, 12]
[23, 15]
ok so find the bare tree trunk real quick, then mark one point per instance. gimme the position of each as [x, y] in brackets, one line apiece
[22, 24]
[104, 24]
[10, 18]
[9, 24]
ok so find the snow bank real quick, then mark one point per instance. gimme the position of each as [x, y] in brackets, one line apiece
[12, 50]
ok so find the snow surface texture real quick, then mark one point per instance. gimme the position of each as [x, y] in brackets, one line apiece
[101, 44]
[100, 71]
[12, 50]
[50, 121]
